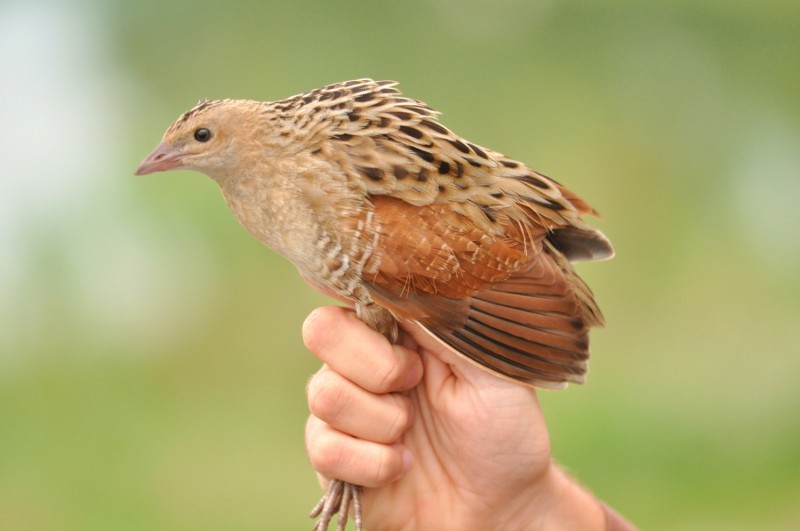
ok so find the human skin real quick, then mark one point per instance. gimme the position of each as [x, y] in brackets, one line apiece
[437, 442]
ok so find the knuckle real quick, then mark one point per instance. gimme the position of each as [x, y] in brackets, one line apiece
[327, 454]
[384, 469]
[400, 422]
[387, 376]
[326, 395]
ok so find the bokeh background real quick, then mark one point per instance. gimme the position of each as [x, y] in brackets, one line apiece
[151, 368]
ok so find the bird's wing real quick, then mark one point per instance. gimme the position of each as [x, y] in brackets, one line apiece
[473, 245]
[521, 312]
[392, 145]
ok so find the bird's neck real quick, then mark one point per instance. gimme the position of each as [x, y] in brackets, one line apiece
[265, 207]
[295, 208]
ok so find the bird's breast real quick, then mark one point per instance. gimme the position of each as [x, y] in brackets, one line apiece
[327, 230]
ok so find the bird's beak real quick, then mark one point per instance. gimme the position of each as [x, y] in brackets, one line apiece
[162, 158]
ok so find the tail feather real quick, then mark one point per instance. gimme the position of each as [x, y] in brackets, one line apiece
[581, 242]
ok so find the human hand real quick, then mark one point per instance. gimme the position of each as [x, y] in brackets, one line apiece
[437, 442]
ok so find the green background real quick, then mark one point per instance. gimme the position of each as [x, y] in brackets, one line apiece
[151, 368]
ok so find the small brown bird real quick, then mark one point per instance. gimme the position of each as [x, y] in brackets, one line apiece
[378, 203]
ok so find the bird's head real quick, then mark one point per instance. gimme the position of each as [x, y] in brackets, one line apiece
[204, 139]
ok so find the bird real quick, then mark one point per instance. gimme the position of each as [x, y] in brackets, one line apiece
[377, 203]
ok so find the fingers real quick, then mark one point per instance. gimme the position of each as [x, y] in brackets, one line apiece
[358, 409]
[358, 353]
[337, 455]
[350, 409]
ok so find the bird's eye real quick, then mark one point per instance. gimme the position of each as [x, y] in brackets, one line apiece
[202, 135]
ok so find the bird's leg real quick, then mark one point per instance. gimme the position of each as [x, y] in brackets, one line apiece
[344, 508]
[379, 319]
[340, 495]
[337, 498]
[356, 506]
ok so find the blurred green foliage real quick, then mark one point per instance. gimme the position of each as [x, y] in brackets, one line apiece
[151, 368]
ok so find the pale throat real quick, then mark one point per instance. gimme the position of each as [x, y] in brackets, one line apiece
[308, 217]
[270, 212]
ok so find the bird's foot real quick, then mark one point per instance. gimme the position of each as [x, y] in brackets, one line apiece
[338, 498]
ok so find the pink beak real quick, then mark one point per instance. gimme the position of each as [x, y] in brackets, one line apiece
[162, 158]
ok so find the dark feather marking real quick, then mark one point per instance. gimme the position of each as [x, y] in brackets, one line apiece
[535, 181]
[478, 151]
[581, 343]
[421, 109]
[576, 323]
[375, 174]
[410, 131]
[435, 126]
[516, 350]
[552, 205]
[461, 337]
[459, 145]
[197, 109]
[421, 153]
[488, 211]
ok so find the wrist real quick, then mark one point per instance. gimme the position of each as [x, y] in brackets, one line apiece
[555, 502]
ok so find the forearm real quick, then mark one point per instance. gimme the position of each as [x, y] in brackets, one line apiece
[560, 503]
[553, 502]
